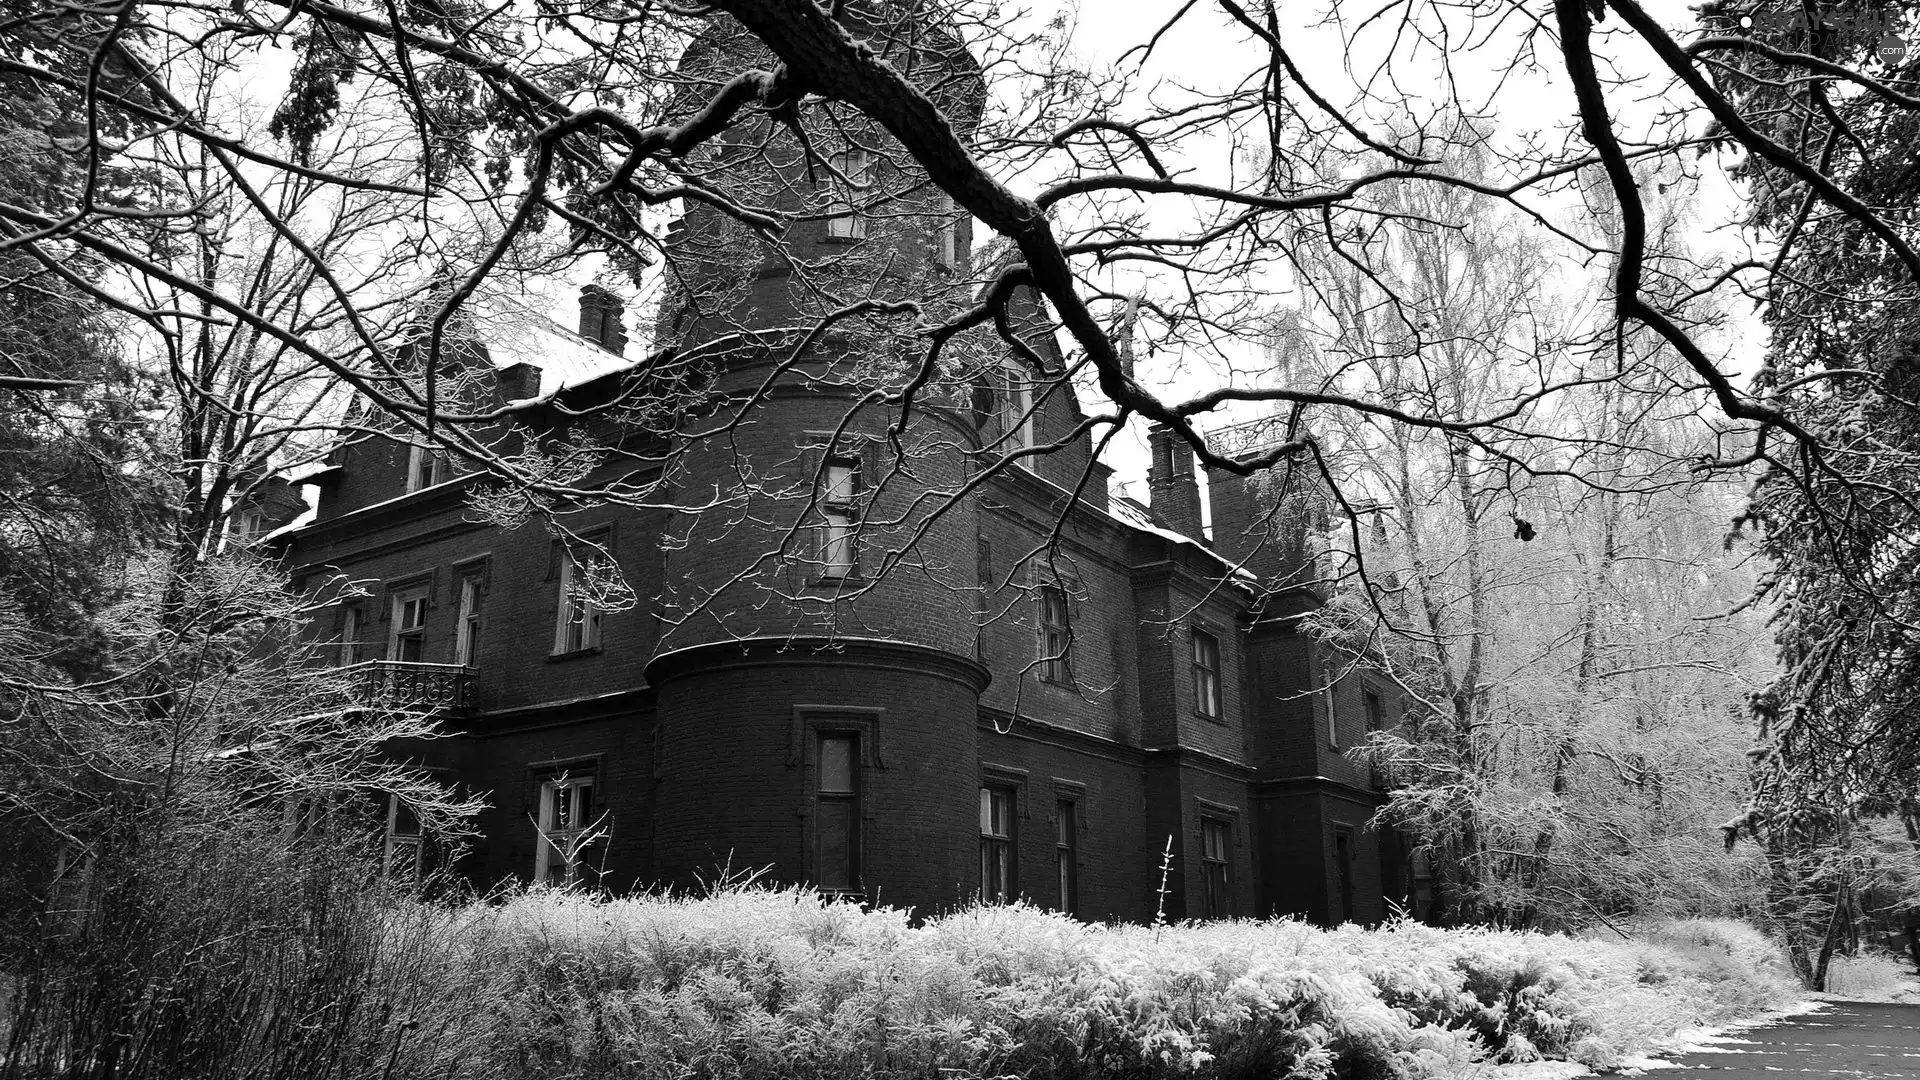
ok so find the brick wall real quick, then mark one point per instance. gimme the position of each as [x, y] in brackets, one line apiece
[1116, 869]
[516, 665]
[737, 768]
[727, 579]
[507, 769]
[1101, 698]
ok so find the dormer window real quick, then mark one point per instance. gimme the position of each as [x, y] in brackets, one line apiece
[246, 526]
[852, 172]
[423, 467]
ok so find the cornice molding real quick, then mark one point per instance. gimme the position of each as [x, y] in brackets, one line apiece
[557, 713]
[1316, 784]
[873, 653]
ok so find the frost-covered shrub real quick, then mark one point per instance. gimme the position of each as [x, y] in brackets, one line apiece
[1867, 974]
[755, 984]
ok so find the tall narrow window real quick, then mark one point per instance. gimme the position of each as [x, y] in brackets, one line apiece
[1216, 867]
[1015, 407]
[579, 620]
[1343, 871]
[409, 641]
[1333, 720]
[839, 506]
[423, 467]
[67, 892]
[350, 617]
[1376, 712]
[1420, 871]
[1054, 638]
[1066, 853]
[946, 234]
[466, 639]
[406, 844]
[996, 844]
[1206, 673]
[837, 814]
[853, 172]
[567, 824]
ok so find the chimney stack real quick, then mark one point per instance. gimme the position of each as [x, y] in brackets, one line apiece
[1171, 485]
[1244, 530]
[517, 381]
[600, 313]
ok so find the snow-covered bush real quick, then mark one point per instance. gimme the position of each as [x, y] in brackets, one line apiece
[784, 984]
[1867, 974]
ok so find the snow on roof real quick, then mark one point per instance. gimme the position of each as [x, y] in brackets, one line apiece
[564, 359]
[1133, 515]
[306, 518]
[306, 470]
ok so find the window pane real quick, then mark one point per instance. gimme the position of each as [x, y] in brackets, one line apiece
[553, 865]
[570, 805]
[1065, 834]
[403, 858]
[855, 171]
[836, 763]
[467, 633]
[996, 869]
[839, 484]
[996, 812]
[1206, 673]
[837, 555]
[836, 844]
[405, 821]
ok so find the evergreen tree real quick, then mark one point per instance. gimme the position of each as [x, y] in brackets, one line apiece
[1838, 764]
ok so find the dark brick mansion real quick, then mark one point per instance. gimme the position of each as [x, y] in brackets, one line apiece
[866, 641]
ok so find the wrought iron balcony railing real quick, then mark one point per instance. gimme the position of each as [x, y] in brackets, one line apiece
[408, 684]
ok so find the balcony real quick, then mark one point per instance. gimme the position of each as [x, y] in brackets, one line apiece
[407, 684]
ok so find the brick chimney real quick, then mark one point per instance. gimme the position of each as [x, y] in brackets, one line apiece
[1174, 490]
[1270, 532]
[1243, 530]
[517, 381]
[600, 314]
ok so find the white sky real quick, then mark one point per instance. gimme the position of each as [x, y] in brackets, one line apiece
[1527, 101]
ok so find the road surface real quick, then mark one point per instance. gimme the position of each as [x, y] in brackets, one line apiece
[1846, 1041]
